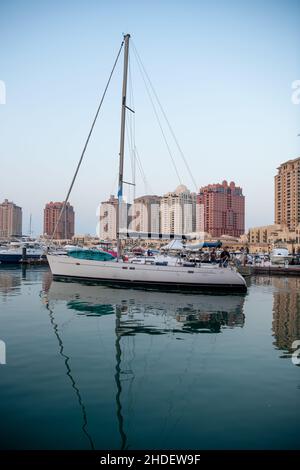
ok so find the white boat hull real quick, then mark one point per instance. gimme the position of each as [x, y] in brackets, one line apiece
[280, 256]
[211, 278]
[280, 259]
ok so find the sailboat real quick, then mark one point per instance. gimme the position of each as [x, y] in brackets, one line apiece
[167, 276]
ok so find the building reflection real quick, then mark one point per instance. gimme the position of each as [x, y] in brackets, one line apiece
[286, 312]
[262, 280]
[210, 322]
[12, 276]
[10, 281]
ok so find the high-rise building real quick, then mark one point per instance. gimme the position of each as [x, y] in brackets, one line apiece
[178, 211]
[108, 219]
[65, 227]
[146, 214]
[10, 219]
[287, 194]
[223, 209]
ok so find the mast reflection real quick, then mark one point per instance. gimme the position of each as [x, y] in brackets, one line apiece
[118, 379]
[67, 363]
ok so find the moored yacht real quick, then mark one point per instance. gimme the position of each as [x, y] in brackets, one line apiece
[14, 252]
[166, 274]
[157, 275]
[280, 256]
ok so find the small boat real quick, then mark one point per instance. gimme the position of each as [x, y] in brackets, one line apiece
[280, 256]
[155, 275]
[16, 251]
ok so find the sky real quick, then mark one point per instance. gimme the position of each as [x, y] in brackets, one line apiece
[223, 71]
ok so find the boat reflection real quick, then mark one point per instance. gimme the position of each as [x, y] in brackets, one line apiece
[139, 313]
[152, 312]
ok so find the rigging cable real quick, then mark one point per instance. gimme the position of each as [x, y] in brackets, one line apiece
[86, 142]
[132, 129]
[138, 164]
[165, 116]
[135, 158]
[156, 115]
[143, 175]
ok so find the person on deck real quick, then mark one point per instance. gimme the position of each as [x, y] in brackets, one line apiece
[213, 256]
[224, 258]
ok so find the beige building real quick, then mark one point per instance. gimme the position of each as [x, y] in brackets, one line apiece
[85, 239]
[287, 194]
[178, 211]
[108, 219]
[265, 238]
[268, 234]
[142, 216]
[146, 214]
[10, 219]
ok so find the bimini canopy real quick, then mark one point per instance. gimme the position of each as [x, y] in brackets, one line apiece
[178, 245]
[199, 246]
[212, 244]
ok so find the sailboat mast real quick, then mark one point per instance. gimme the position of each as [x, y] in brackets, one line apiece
[30, 224]
[122, 142]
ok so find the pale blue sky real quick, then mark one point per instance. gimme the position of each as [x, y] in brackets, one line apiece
[223, 71]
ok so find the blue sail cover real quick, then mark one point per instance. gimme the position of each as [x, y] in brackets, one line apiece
[212, 245]
[93, 255]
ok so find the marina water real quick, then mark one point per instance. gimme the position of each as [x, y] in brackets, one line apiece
[98, 367]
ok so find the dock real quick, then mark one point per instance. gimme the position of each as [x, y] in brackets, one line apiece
[270, 270]
[34, 261]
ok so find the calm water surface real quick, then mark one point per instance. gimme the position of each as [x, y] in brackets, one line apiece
[96, 367]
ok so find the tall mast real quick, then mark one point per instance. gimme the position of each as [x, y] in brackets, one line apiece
[122, 141]
[30, 225]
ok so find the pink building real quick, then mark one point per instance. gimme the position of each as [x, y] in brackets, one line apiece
[223, 209]
[65, 227]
